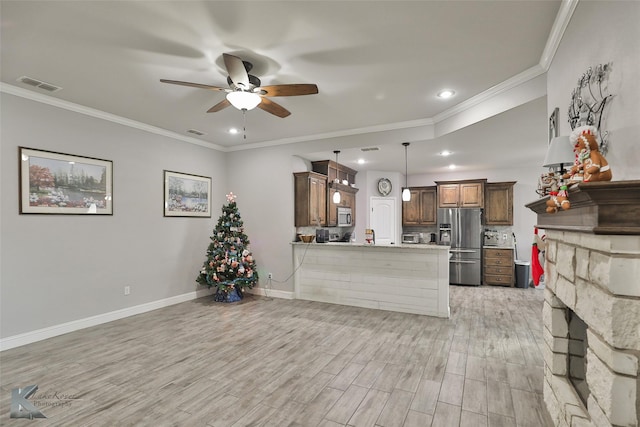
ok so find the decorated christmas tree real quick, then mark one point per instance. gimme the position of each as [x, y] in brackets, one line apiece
[229, 266]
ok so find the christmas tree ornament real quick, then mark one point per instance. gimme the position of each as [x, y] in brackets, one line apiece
[225, 269]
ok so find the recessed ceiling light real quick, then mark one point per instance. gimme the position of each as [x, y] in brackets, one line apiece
[361, 161]
[452, 166]
[233, 131]
[446, 93]
[445, 153]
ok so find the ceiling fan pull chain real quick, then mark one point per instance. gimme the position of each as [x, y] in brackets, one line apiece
[244, 122]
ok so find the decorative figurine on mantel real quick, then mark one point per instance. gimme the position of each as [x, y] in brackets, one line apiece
[590, 163]
[229, 266]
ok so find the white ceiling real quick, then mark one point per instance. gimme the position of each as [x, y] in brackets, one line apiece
[377, 64]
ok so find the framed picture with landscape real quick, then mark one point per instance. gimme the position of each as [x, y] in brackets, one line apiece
[187, 195]
[58, 183]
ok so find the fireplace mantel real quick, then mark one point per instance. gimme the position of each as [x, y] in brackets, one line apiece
[610, 207]
[592, 258]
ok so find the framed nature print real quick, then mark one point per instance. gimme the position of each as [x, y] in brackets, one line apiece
[58, 183]
[187, 195]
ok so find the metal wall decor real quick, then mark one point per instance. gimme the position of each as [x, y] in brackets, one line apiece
[588, 101]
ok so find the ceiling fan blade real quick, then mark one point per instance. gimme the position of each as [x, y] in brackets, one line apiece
[271, 107]
[236, 70]
[289, 90]
[198, 85]
[219, 106]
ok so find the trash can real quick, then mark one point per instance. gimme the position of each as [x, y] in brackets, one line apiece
[522, 274]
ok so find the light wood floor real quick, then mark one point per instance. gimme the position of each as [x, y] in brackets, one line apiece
[272, 362]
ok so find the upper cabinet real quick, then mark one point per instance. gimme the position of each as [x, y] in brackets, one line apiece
[461, 194]
[347, 200]
[310, 199]
[421, 209]
[335, 171]
[498, 202]
[314, 194]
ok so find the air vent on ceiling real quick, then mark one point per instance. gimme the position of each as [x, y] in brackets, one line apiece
[39, 84]
[369, 149]
[196, 132]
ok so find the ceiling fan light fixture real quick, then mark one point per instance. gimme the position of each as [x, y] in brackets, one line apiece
[244, 100]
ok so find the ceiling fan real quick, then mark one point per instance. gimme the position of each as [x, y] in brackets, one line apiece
[244, 91]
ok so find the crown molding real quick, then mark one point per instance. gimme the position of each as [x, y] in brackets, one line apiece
[49, 100]
[567, 7]
[492, 92]
[337, 134]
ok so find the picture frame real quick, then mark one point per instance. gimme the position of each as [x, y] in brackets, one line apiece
[186, 195]
[64, 184]
[553, 124]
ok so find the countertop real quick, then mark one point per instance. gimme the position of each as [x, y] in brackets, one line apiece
[421, 246]
[498, 247]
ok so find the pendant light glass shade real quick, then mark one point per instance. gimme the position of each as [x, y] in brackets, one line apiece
[406, 193]
[244, 100]
[336, 195]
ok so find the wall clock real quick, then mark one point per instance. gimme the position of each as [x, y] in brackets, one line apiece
[384, 186]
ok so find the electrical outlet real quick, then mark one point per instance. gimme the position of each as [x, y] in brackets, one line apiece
[269, 276]
[504, 236]
[127, 290]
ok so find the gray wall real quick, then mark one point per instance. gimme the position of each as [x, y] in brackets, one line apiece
[60, 268]
[603, 32]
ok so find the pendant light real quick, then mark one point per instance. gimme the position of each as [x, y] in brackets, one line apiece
[336, 195]
[406, 193]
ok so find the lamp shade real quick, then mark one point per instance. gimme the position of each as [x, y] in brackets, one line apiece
[406, 195]
[559, 153]
[244, 100]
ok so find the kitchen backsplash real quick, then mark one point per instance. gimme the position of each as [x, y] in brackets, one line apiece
[505, 234]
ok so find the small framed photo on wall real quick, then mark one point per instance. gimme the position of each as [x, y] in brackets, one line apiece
[187, 195]
[553, 124]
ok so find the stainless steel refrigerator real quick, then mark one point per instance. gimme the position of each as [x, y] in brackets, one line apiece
[462, 228]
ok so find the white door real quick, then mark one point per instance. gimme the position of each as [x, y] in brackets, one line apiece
[383, 219]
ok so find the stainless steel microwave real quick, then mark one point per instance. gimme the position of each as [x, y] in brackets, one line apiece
[345, 218]
[411, 238]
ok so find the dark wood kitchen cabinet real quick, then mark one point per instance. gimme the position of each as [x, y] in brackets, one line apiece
[310, 199]
[334, 171]
[498, 267]
[347, 200]
[498, 203]
[421, 209]
[461, 194]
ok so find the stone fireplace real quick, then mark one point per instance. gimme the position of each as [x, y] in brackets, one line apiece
[591, 312]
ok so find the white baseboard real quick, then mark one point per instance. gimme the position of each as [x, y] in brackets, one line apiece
[272, 293]
[75, 325]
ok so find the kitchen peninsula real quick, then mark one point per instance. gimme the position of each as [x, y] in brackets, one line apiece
[411, 278]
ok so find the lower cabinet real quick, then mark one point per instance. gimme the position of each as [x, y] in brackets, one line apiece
[498, 267]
